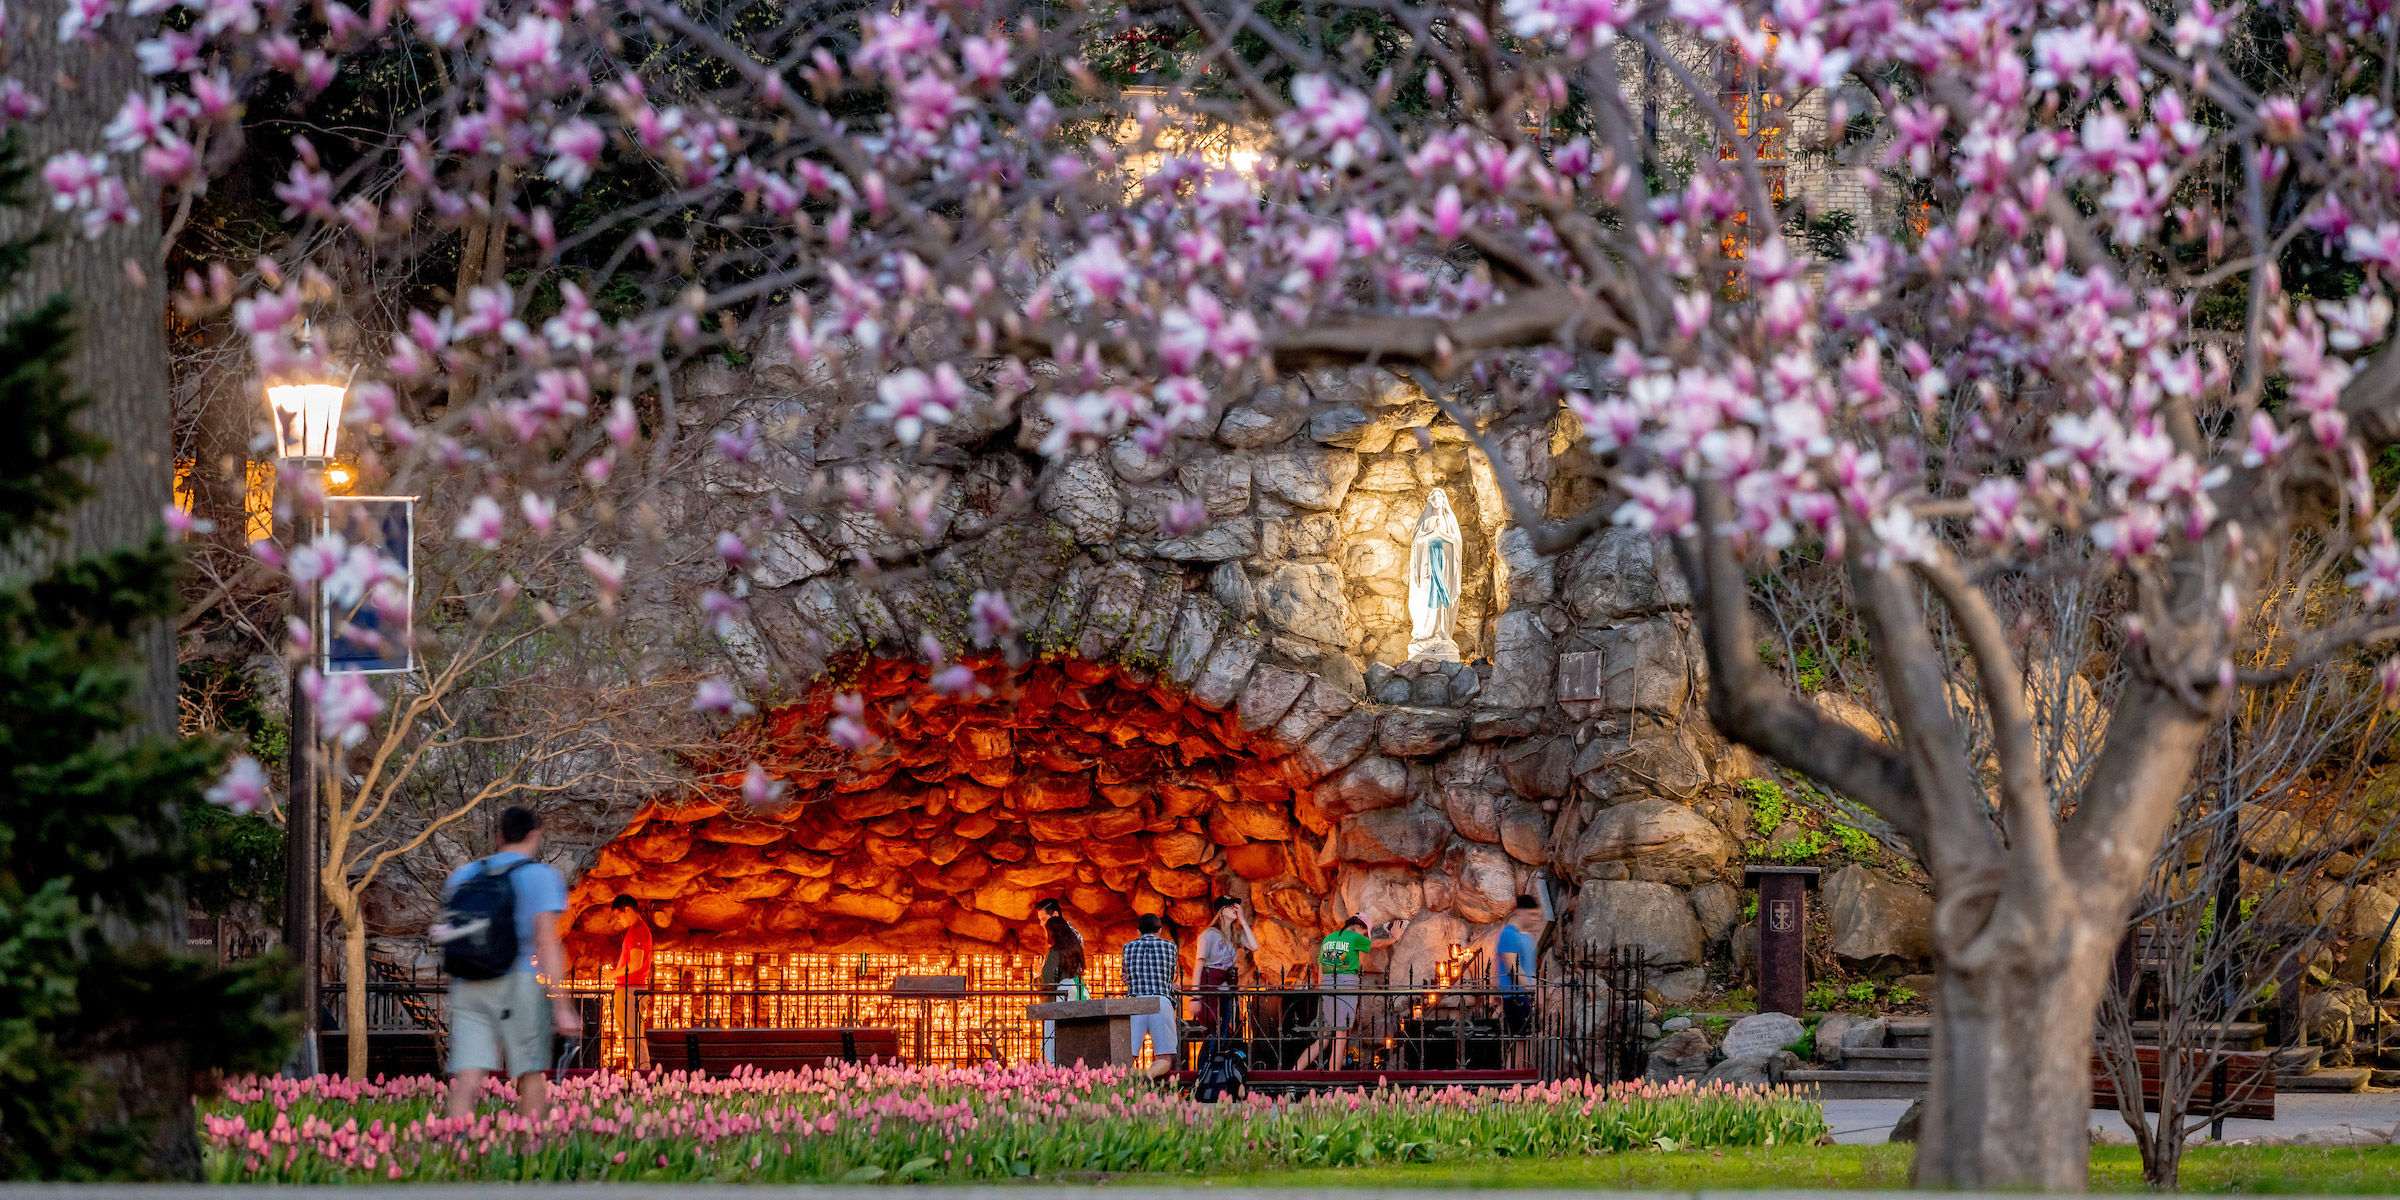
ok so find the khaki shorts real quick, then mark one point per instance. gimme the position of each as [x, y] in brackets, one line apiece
[1163, 1026]
[496, 1023]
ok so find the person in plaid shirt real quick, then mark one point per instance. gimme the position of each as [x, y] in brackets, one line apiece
[1150, 971]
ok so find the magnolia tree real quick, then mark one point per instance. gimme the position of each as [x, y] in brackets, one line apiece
[2065, 362]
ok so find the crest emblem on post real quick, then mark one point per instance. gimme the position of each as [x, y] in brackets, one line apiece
[1781, 916]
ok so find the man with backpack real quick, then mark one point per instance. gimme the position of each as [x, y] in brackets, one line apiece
[499, 920]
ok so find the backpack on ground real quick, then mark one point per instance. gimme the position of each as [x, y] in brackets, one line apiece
[478, 930]
[1224, 1072]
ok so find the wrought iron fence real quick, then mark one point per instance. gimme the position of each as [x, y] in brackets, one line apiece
[936, 1028]
[391, 1006]
[1580, 1018]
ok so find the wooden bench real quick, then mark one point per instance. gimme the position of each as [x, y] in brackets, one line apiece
[2240, 1084]
[722, 1051]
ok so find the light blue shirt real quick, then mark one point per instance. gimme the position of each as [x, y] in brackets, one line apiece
[540, 889]
[1520, 943]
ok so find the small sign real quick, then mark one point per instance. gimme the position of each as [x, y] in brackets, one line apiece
[1580, 677]
[200, 936]
[374, 642]
[1782, 916]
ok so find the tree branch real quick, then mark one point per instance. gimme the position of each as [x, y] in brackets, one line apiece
[1751, 706]
[1555, 315]
[2024, 800]
[1962, 841]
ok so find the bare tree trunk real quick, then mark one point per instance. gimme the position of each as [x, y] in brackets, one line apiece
[354, 988]
[483, 260]
[119, 294]
[2012, 1073]
[2162, 1161]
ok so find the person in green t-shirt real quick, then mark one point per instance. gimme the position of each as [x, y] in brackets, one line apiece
[1338, 970]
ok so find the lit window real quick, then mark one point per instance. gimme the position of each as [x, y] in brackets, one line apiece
[258, 496]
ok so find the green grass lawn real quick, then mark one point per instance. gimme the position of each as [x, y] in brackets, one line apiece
[2114, 1168]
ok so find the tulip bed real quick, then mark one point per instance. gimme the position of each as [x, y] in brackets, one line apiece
[900, 1124]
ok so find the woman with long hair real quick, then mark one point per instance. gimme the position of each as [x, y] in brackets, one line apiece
[1217, 968]
[1062, 974]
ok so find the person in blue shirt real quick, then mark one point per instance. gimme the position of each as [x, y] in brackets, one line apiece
[505, 1023]
[1516, 957]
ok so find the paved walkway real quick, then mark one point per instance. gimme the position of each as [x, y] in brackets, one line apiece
[1861, 1121]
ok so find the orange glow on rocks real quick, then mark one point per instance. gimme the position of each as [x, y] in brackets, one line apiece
[1069, 779]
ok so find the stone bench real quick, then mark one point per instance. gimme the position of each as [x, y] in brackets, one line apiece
[1096, 1033]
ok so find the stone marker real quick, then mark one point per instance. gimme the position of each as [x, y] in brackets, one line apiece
[1096, 1033]
[1782, 924]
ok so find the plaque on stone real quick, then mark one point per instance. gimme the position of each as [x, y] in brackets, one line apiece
[1579, 676]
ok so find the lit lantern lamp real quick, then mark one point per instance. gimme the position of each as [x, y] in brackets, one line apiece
[308, 419]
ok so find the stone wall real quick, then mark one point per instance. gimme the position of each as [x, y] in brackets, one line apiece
[1424, 790]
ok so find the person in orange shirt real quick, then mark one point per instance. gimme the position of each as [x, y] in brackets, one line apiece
[632, 974]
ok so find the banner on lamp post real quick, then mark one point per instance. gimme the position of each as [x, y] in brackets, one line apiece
[361, 636]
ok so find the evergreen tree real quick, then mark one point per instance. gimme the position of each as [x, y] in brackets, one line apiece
[90, 850]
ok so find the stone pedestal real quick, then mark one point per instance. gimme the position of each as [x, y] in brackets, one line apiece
[1782, 928]
[1096, 1033]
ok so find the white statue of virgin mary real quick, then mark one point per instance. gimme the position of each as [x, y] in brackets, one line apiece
[1433, 583]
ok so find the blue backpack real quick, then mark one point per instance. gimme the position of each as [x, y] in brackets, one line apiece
[478, 932]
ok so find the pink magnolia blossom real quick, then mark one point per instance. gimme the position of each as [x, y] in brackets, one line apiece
[622, 424]
[848, 728]
[180, 522]
[759, 789]
[483, 523]
[541, 513]
[1098, 273]
[2378, 576]
[575, 149]
[607, 572]
[989, 618]
[74, 179]
[445, 20]
[83, 18]
[1331, 114]
[718, 696]
[913, 399]
[243, 788]
[346, 704]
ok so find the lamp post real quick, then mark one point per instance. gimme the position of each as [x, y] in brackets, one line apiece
[308, 419]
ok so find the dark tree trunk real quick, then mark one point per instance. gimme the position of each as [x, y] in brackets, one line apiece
[120, 361]
[120, 300]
